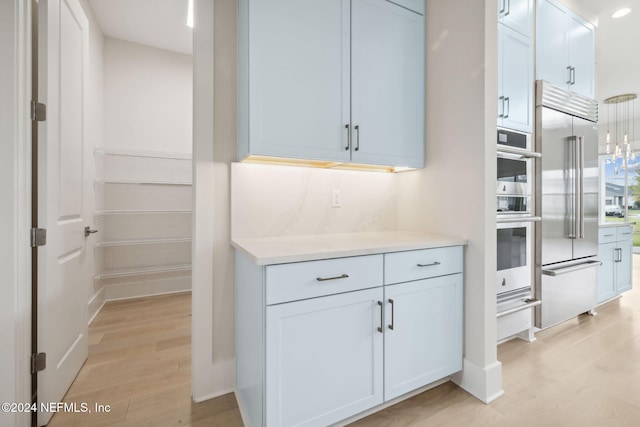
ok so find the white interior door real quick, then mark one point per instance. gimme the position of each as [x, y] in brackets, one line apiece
[63, 276]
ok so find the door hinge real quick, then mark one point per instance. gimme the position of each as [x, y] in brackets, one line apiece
[38, 362]
[38, 237]
[38, 111]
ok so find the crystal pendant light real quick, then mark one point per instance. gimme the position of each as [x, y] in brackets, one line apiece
[622, 130]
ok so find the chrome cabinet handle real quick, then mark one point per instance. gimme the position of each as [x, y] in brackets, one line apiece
[324, 279]
[619, 255]
[506, 100]
[508, 11]
[381, 321]
[392, 316]
[504, 7]
[429, 265]
[88, 231]
[501, 99]
[573, 75]
[357, 127]
[569, 70]
[348, 137]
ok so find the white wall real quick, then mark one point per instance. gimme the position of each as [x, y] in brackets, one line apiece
[15, 255]
[455, 191]
[147, 98]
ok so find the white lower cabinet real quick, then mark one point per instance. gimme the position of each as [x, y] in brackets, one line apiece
[423, 333]
[305, 358]
[615, 251]
[324, 359]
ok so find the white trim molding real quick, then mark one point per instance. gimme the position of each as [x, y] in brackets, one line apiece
[203, 372]
[15, 211]
[483, 383]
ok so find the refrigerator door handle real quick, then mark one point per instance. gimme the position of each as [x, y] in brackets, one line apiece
[573, 173]
[581, 184]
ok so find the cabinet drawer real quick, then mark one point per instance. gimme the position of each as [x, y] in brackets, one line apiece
[607, 235]
[513, 324]
[296, 281]
[414, 265]
[624, 233]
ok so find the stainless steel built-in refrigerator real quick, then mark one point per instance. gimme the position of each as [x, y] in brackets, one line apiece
[567, 200]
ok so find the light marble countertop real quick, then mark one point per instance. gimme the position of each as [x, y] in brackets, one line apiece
[615, 224]
[285, 249]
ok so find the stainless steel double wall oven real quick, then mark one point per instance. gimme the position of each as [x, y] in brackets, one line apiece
[515, 231]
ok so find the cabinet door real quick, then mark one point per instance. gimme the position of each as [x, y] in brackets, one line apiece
[298, 90]
[517, 15]
[624, 266]
[324, 358]
[425, 343]
[387, 61]
[552, 43]
[517, 80]
[581, 55]
[606, 283]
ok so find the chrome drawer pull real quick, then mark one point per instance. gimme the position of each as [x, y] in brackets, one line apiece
[429, 265]
[324, 279]
[392, 314]
[381, 321]
[348, 137]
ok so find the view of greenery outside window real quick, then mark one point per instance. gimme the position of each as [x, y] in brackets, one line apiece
[614, 205]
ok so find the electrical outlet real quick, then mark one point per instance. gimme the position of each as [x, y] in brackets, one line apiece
[336, 199]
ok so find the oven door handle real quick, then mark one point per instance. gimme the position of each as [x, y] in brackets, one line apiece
[517, 153]
[508, 220]
[529, 304]
[565, 270]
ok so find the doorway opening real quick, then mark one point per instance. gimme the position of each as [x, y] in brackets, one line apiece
[115, 190]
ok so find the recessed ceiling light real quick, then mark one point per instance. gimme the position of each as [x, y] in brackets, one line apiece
[620, 13]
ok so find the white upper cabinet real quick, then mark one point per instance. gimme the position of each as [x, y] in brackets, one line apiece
[517, 15]
[515, 80]
[298, 79]
[582, 56]
[387, 77]
[315, 78]
[565, 48]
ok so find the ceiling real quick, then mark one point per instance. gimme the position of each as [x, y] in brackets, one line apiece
[156, 23]
[617, 57]
[162, 24]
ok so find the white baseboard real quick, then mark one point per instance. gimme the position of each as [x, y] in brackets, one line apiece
[146, 288]
[95, 304]
[485, 383]
[222, 380]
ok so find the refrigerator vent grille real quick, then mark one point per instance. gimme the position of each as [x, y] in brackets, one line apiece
[557, 98]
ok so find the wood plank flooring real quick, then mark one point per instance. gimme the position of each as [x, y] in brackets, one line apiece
[140, 364]
[583, 372]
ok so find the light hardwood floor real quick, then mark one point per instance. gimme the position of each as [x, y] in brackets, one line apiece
[584, 372]
[140, 364]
